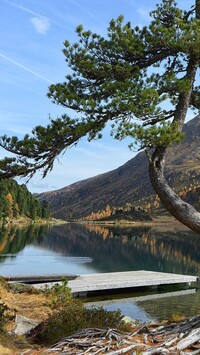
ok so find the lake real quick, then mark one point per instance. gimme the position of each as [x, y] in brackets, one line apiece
[82, 249]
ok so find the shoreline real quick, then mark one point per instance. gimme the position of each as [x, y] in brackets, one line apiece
[156, 221]
[27, 221]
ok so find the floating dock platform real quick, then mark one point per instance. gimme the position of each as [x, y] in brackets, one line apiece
[96, 283]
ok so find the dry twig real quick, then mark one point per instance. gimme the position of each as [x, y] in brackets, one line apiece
[181, 338]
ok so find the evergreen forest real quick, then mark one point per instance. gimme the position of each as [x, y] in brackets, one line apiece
[16, 202]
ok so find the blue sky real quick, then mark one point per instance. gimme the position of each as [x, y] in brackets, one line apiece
[31, 58]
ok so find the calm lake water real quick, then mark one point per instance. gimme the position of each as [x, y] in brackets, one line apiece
[82, 249]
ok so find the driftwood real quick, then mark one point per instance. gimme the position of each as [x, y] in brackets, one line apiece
[97, 341]
[181, 338]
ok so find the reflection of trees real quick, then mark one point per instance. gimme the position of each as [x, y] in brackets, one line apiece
[112, 230]
[127, 248]
[157, 309]
[13, 239]
[111, 248]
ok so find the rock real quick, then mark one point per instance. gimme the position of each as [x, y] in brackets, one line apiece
[24, 325]
[129, 320]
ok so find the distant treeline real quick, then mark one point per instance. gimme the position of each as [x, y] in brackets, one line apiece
[16, 201]
[127, 212]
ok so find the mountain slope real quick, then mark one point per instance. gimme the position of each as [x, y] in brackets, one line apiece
[130, 182]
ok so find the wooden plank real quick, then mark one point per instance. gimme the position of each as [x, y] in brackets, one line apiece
[123, 280]
[33, 279]
[84, 284]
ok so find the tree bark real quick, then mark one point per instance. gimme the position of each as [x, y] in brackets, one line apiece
[182, 211]
[197, 4]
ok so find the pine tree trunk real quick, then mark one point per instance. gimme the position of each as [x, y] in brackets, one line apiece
[198, 9]
[182, 211]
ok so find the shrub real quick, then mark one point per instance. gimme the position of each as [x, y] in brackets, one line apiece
[3, 283]
[72, 317]
[21, 288]
[6, 314]
[62, 322]
[101, 318]
[59, 294]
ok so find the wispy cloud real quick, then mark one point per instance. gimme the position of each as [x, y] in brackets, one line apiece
[90, 153]
[36, 15]
[82, 8]
[24, 9]
[42, 185]
[25, 68]
[97, 151]
[41, 24]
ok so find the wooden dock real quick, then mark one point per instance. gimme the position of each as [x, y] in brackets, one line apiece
[84, 284]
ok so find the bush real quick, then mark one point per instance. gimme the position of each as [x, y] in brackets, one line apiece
[100, 318]
[59, 294]
[73, 317]
[21, 288]
[6, 314]
[3, 283]
[62, 322]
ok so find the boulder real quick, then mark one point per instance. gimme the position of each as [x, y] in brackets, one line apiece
[23, 325]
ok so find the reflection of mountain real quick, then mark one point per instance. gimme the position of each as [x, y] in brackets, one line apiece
[128, 248]
[111, 249]
[13, 239]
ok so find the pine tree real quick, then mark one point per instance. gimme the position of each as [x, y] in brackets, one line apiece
[126, 76]
[16, 200]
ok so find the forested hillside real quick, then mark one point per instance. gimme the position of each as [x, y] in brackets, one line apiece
[127, 212]
[17, 201]
[130, 184]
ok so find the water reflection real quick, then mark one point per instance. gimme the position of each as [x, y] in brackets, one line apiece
[108, 249]
[127, 248]
[155, 306]
[187, 305]
[80, 249]
[14, 238]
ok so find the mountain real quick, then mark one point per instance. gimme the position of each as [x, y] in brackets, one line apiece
[130, 182]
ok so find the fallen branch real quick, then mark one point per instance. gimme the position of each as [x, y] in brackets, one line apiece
[174, 339]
